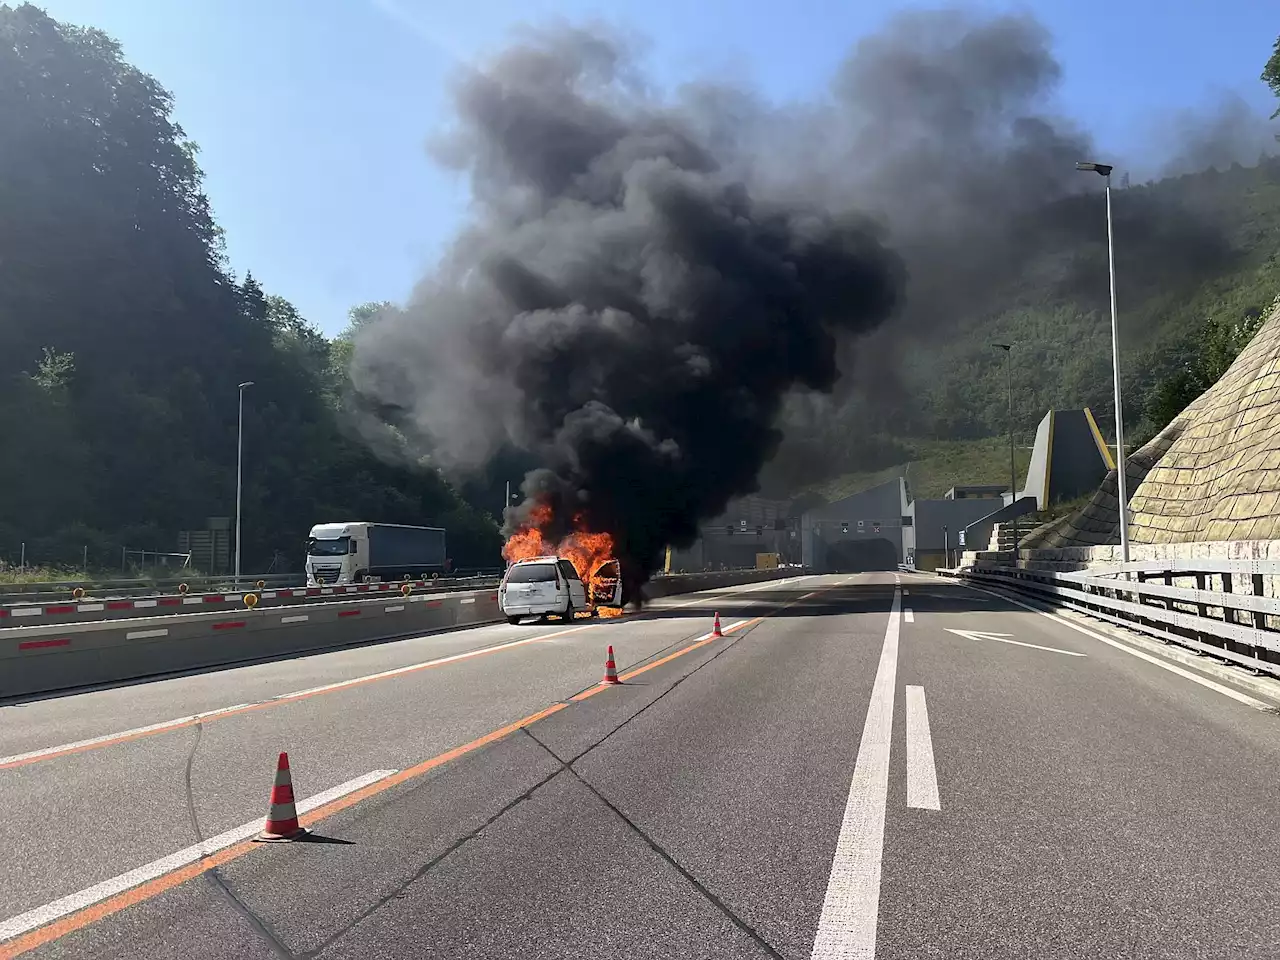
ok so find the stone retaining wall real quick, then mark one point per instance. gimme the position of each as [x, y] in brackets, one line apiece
[1212, 475]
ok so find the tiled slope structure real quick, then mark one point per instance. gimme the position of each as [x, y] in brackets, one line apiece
[1213, 474]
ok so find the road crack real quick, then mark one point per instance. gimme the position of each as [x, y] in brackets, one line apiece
[652, 844]
[652, 703]
[214, 876]
[398, 891]
[563, 765]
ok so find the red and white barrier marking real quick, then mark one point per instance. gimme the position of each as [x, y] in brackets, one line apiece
[63, 609]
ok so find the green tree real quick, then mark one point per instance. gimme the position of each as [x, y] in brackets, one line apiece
[1204, 358]
[1271, 74]
[128, 427]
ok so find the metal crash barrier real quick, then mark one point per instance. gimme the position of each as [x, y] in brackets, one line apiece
[1217, 607]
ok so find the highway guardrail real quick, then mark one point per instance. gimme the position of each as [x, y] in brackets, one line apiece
[65, 591]
[164, 605]
[1221, 623]
[64, 656]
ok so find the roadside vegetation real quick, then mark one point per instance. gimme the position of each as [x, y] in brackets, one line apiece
[124, 334]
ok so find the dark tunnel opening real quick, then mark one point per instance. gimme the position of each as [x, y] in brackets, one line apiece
[861, 556]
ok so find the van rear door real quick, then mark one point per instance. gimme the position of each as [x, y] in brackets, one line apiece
[534, 585]
[577, 589]
[608, 581]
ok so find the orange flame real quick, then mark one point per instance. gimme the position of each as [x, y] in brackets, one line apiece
[588, 552]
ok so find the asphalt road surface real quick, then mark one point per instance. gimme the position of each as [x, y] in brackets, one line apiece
[873, 765]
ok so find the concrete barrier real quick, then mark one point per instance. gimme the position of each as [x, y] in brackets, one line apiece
[53, 657]
[691, 582]
[91, 610]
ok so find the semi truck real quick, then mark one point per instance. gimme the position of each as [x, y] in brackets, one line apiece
[358, 552]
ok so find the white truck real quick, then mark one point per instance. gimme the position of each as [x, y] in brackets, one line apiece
[357, 552]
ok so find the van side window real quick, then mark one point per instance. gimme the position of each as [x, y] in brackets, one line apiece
[567, 568]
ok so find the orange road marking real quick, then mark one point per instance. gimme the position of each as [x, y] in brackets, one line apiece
[153, 888]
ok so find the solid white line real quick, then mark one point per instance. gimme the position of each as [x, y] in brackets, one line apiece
[909, 615]
[295, 619]
[1004, 638]
[145, 634]
[341, 684]
[847, 926]
[1194, 678]
[396, 609]
[701, 598]
[1033, 646]
[179, 721]
[46, 751]
[38, 917]
[922, 777]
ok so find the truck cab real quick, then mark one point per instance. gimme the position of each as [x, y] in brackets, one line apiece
[336, 552]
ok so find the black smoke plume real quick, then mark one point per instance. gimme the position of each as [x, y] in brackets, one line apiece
[652, 288]
[624, 306]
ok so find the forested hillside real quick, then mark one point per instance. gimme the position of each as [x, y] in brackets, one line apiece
[123, 336]
[1188, 300]
[1168, 294]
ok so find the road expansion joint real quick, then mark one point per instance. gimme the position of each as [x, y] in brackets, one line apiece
[398, 891]
[657, 848]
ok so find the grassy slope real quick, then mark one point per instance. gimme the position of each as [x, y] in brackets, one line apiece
[937, 466]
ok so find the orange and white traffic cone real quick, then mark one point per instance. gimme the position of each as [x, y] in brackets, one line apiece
[716, 631]
[610, 669]
[282, 819]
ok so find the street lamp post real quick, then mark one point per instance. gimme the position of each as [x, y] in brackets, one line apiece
[239, 470]
[1013, 468]
[1104, 170]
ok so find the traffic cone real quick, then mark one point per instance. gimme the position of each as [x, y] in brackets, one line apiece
[716, 631]
[610, 669]
[282, 818]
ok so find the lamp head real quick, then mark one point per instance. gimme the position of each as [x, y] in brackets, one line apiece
[1102, 169]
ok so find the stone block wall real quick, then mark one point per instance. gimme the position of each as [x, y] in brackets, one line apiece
[1212, 475]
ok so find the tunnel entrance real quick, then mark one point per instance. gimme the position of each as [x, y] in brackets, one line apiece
[861, 556]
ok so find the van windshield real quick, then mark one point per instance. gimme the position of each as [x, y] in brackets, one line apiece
[532, 573]
[335, 547]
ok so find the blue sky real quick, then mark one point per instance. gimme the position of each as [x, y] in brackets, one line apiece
[312, 115]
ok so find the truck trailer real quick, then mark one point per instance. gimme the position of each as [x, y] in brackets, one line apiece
[359, 552]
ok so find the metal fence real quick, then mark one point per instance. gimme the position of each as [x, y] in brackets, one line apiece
[1226, 614]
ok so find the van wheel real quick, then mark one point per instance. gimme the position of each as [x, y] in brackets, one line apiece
[513, 620]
